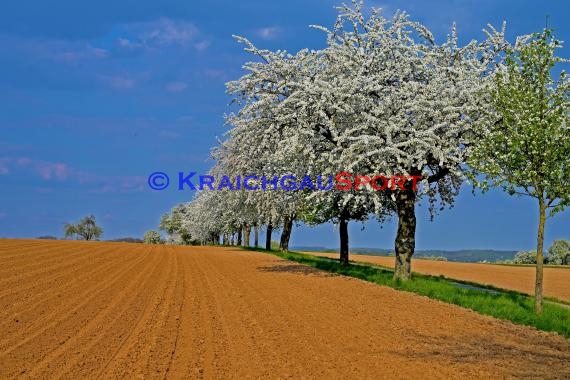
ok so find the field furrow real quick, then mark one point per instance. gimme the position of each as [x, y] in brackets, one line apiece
[102, 310]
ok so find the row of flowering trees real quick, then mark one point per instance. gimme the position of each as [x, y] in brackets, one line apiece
[383, 97]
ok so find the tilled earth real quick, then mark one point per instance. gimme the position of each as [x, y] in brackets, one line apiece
[519, 278]
[112, 310]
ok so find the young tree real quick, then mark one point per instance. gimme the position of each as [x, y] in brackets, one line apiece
[86, 229]
[525, 257]
[152, 237]
[171, 223]
[204, 217]
[527, 149]
[559, 253]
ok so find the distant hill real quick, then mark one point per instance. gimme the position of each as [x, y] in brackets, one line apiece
[464, 255]
[312, 249]
[127, 240]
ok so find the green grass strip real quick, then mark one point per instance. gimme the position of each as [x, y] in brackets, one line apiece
[508, 305]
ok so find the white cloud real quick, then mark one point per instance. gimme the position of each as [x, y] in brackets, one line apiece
[184, 119]
[122, 83]
[24, 161]
[176, 86]
[57, 171]
[4, 164]
[50, 170]
[163, 32]
[268, 33]
[215, 73]
[169, 134]
[45, 169]
[126, 80]
[81, 54]
[202, 45]
[62, 51]
[144, 36]
[125, 43]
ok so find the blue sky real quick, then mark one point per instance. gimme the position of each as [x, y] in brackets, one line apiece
[95, 96]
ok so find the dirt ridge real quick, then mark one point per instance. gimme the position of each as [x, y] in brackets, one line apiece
[114, 310]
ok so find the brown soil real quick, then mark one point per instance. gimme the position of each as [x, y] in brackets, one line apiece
[110, 310]
[519, 278]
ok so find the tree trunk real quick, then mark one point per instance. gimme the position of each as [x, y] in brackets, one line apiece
[405, 243]
[246, 234]
[224, 239]
[232, 239]
[539, 257]
[343, 232]
[239, 237]
[256, 235]
[268, 236]
[286, 234]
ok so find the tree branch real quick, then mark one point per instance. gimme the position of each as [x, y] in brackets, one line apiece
[439, 175]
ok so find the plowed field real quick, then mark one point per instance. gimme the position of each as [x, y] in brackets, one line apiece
[108, 310]
[519, 278]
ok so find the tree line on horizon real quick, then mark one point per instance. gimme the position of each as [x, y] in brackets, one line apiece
[384, 97]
